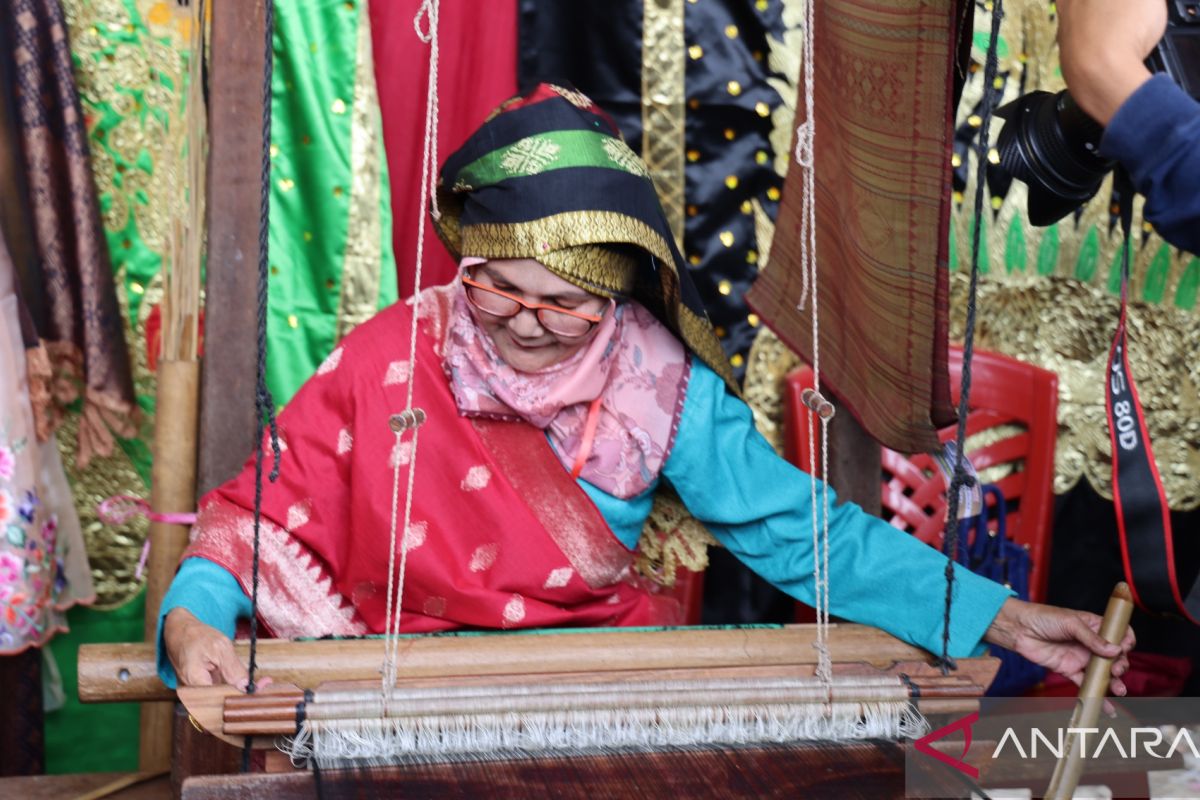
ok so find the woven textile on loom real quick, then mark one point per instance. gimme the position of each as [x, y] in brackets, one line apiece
[883, 100]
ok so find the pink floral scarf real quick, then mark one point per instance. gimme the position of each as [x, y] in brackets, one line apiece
[633, 363]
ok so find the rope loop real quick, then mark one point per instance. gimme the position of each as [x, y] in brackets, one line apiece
[428, 14]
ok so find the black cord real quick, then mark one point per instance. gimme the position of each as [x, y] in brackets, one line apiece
[960, 478]
[264, 404]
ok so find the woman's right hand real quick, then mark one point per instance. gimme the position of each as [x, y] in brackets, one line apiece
[202, 655]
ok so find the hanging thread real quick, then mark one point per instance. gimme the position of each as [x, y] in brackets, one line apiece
[821, 409]
[962, 477]
[411, 418]
[264, 404]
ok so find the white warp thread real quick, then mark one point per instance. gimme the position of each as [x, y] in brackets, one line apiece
[335, 743]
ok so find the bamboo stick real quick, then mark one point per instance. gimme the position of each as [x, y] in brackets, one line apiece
[173, 472]
[1091, 695]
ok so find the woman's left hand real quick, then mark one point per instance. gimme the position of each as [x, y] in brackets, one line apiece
[1060, 639]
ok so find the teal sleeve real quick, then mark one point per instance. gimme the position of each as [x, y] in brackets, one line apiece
[211, 594]
[759, 506]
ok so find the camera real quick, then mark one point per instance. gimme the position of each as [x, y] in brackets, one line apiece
[1051, 145]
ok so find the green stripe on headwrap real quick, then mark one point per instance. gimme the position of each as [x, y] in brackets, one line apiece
[549, 151]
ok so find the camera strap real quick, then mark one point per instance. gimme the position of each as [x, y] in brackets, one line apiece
[1143, 517]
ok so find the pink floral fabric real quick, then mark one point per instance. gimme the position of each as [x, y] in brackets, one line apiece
[633, 363]
[43, 566]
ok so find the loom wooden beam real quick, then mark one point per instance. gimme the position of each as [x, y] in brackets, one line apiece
[234, 166]
[124, 672]
[855, 461]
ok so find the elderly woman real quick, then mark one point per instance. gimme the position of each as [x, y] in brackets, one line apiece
[566, 374]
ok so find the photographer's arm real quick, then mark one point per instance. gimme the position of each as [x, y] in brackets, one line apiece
[1102, 45]
[1152, 126]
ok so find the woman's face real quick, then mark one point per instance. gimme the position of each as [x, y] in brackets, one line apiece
[521, 340]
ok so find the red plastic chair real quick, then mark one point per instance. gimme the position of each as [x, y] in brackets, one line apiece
[1011, 429]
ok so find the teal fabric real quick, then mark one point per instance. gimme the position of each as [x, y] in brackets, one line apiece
[759, 507]
[212, 594]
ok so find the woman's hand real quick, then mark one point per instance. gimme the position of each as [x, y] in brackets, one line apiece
[1059, 639]
[202, 655]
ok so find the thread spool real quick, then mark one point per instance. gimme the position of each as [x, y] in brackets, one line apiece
[407, 419]
[815, 402]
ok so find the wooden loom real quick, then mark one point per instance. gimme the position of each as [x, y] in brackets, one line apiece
[127, 672]
[622, 658]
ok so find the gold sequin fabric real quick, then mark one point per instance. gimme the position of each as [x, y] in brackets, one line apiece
[1066, 326]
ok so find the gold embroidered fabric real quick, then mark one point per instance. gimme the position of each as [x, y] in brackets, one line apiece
[663, 61]
[360, 266]
[129, 63]
[672, 539]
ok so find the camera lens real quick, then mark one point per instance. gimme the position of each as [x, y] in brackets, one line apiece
[1053, 147]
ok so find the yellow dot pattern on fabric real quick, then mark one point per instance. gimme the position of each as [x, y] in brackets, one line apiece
[762, 109]
[734, 88]
[725, 287]
[761, 157]
[694, 260]
[737, 360]
[726, 238]
[731, 182]
[773, 193]
[751, 256]
[731, 31]
[693, 155]
[286, 184]
[339, 106]
[696, 52]
[293, 321]
[753, 320]
[730, 134]
[747, 208]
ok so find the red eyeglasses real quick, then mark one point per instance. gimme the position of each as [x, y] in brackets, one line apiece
[556, 319]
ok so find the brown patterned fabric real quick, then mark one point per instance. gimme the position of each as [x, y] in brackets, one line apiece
[81, 324]
[883, 101]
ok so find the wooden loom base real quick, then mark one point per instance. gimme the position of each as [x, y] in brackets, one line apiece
[811, 770]
[128, 672]
[212, 707]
